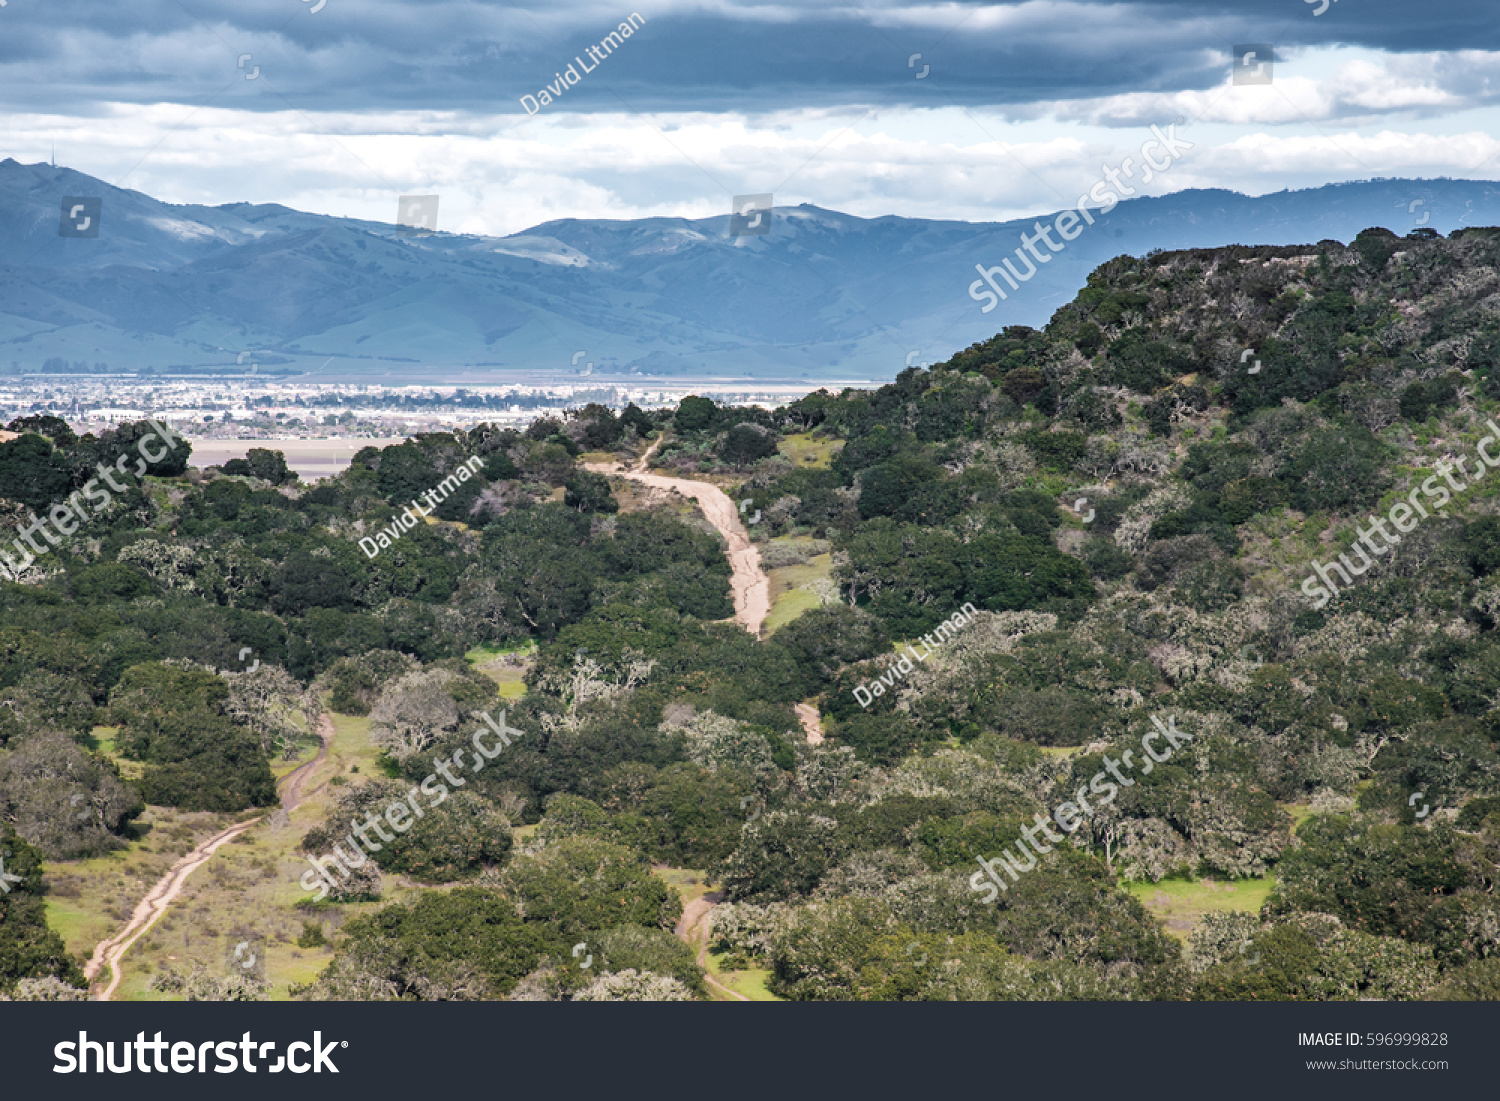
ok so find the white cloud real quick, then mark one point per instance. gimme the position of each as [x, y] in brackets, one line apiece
[1321, 85]
[1351, 155]
[501, 174]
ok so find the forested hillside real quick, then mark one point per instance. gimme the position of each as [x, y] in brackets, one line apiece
[1159, 512]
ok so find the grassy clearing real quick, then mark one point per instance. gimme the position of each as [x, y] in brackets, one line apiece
[789, 597]
[521, 833]
[1300, 813]
[787, 607]
[349, 751]
[247, 891]
[487, 652]
[102, 740]
[688, 883]
[1180, 904]
[512, 683]
[809, 452]
[750, 983]
[89, 900]
[497, 663]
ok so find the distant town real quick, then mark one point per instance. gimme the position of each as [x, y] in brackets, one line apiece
[253, 408]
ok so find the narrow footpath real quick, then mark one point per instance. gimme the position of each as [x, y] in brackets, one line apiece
[109, 953]
[694, 930]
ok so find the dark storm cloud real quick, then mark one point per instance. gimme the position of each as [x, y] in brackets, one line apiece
[480, 55]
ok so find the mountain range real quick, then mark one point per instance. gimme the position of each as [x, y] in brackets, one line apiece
[823, 295]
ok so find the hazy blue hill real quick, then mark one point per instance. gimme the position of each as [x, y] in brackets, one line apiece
[825, 294]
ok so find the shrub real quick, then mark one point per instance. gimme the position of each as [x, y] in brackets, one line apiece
[695, 414]
[589, 492]
[745, 444]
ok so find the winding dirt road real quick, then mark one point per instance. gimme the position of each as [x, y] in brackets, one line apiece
[751, 586]
[748, 582]
[110, 952]
[752, 603]
[693, 929]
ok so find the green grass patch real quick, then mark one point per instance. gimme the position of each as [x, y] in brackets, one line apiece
[498, 663]
[488, 652]
[102, 740]
[350, 750]
[90, 900]
[789, 597]
[809, 452]
[512, 683]
[751, 982]
[687, 882]
[788, 606]
[1180, 904]
[1300, 813]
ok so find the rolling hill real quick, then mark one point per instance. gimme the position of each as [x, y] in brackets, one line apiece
[824, 295]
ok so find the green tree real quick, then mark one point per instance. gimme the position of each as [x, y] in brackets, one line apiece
[28, 948]
[632, 947]
[695, 414]
[581, 884]
[68, 803]
[1387, 880]
[822, 641]
[586, 491]
[197, 758]
[780, 855]
[269, 466]
[745, 444]
[464, 945]
[30, 472]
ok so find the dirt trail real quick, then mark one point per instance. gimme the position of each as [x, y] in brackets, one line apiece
[811, 721]
[748, 582]
[752, 603]
[693, 929]
[110, 952]
[292, 782]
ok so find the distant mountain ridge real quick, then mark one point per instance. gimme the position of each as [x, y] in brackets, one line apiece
[823, 295]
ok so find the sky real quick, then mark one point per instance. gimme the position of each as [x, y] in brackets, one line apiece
[972, 111]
